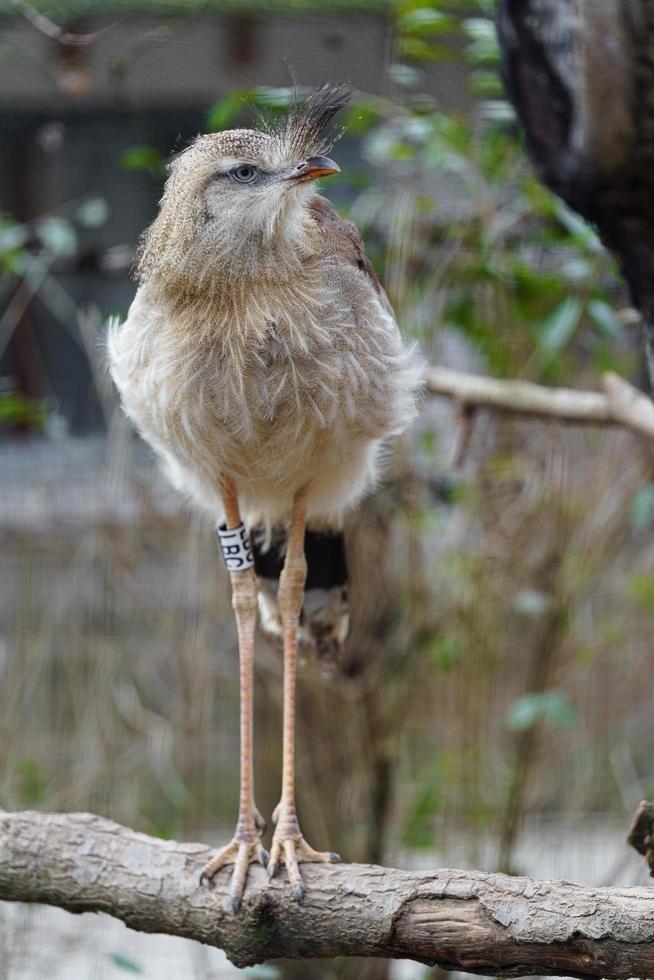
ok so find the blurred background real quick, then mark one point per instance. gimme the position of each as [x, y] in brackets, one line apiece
[493, 707]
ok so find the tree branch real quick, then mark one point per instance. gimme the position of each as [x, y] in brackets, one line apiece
[48, 27]
[620, 404]
[473, 921]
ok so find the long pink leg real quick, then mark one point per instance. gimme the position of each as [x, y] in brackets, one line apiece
[288, 844]
[244, 848]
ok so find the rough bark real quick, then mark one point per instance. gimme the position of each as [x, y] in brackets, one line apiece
[481, 923]
[581, 76]
[621, 404]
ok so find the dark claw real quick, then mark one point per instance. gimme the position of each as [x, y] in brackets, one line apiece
[236, 904]
[335, 858]
[272, 870]
[298, 891]
[205, 880]
[263, 856]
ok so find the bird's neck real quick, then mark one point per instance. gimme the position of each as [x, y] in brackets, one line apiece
[225, 260]
[239, 291]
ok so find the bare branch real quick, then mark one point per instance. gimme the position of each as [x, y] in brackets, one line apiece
[48, 27]
[620, 404]
[480, 923]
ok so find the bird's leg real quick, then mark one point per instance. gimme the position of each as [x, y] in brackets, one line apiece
[288, 845]
[245, 847]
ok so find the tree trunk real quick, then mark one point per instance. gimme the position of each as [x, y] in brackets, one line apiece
[581, 77]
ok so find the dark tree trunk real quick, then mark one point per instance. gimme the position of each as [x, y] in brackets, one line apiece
[580, 74]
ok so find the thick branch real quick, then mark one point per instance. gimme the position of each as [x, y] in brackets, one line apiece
[481, 923]
[620, 404]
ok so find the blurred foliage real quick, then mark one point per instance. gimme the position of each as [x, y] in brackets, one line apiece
[550, 706]
[147, 158]
[31, 253]
[508, 265]
[125, 963]
[642, 507]
[19, 412]
[31, 786]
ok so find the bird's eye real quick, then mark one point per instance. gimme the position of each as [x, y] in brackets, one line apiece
[244, 173]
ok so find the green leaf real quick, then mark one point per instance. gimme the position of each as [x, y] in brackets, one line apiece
[497, 110]
[444, 650]
[124, 963]
[484, 47]
[93, 213]
[135, 158]
[577, 269]
[12, 235]
[428, 441]
[530, 602]
[404, 75]
[222, 113]
[550, 706]
[425, 20]
[481, 29]
[641, 589]
[642, 507]
[32, 787]
[484, 84]
[262, 971]
[577, 227]
[605, 318]
[57, 235]
[268, 97]
[400, 150]
[557, 329]
[18, 411]
[418, 831]
[359, 118]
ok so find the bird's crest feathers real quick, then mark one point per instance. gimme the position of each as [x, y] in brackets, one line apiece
[306, 128]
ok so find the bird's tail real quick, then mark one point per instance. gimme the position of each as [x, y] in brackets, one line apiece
[324, 620]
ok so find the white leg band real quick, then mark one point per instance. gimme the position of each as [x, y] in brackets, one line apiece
[236, 547]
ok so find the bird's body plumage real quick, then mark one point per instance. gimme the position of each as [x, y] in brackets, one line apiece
[281, 381]
[262, 361]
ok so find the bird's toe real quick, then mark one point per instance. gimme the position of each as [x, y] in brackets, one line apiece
[240, 853]
[225, 855]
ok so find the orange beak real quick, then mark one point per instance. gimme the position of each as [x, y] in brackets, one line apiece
[311, 169]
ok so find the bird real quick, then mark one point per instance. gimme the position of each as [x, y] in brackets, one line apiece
[261, 360]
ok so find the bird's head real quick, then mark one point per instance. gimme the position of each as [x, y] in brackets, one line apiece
[235, 202]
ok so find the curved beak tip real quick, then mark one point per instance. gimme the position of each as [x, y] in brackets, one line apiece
[321, 167]
[311, 169]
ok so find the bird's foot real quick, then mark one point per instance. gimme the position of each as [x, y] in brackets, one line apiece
[290, 848]
[243, 850]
